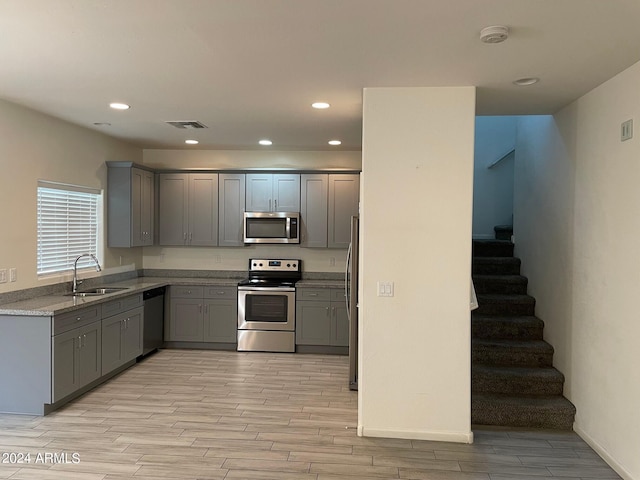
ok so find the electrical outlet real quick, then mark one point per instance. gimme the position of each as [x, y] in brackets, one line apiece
[217, 259]
[13, 274]
[3, 275]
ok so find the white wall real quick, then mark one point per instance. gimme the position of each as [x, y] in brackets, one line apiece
[493, 187]
[33, 147]
[417, 180]
[577, 224]
[236, 258]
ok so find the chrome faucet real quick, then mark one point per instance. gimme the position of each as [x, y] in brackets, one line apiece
[77, 282]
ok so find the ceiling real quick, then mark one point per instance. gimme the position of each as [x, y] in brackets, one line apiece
[249, 69]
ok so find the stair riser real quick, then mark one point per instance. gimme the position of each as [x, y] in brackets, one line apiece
[498, 287]
[511, 357]
[557, 419]
[505, 308]
[505, 331]
[517, 386]
[506, 266]
[491, 249]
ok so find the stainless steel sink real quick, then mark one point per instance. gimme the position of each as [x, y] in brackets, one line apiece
[98, 291]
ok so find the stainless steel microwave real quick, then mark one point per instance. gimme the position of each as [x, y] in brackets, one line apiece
[271, 227]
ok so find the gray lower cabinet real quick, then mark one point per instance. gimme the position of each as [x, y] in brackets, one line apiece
[321, 317]
[77, 359]
[203, 314]
[121, 338]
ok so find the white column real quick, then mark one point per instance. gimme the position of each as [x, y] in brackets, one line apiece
[416, 216]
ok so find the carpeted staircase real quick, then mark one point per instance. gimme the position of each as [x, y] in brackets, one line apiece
[513, 379]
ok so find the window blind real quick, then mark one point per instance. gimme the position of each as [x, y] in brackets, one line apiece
[68, 226]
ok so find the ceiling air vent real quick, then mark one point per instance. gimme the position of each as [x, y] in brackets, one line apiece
[188, 124]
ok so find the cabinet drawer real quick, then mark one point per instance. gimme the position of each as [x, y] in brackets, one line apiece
[221, 292]
[337, 295]
[77, 318]
[313, 294]
[121, 305]
[187, 292]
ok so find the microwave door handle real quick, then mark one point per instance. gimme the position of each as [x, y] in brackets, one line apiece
[288, 233]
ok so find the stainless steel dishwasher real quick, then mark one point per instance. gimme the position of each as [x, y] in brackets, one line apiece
[153, 332]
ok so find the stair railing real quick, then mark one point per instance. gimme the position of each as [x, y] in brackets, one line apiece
[502, 158]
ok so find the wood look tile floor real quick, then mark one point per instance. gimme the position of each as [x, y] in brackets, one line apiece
[187, 415]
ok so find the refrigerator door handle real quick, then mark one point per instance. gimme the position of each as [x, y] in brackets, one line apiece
[346, 280]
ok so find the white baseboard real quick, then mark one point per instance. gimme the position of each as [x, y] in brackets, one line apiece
[620, 470]
[457, 437]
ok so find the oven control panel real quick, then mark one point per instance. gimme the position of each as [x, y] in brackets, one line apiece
[274, 265]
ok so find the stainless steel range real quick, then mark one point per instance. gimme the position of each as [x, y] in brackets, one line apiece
[267, 306]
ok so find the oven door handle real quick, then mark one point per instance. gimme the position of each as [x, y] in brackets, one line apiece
[266, 289]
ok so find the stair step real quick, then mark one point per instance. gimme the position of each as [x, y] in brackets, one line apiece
[492, 327]
[496, 304]
[553, 412]
[502, 284]
[503, 232]
[516, 380]
[532, 353]
[492, 248]
[495, 266]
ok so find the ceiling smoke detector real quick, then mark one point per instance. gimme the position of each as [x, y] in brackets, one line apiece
[494, 34]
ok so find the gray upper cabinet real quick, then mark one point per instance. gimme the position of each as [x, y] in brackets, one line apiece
[314, 191]
[130, 205]
[344, 198]
[188, 204]
[273, 192]
[231, 205]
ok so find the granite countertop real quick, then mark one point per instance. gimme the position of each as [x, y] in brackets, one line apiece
[49, 305]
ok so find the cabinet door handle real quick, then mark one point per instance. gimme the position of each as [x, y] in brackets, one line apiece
[200, 308]
[275, 205]
[185, 237]
[79, 342]
[313, 294]
[221, 293]
[191, 237]
[84, 340]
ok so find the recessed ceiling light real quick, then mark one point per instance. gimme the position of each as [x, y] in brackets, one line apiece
[119, 106]
[265, 142]
[523, 82]
[335, 142]
[191, 142]
[320, 105]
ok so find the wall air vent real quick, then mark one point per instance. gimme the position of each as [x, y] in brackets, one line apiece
[188, 124]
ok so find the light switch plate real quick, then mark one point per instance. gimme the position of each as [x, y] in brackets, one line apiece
[385, 289]
[3, 275]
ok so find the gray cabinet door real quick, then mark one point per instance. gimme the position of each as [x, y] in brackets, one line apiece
[173, 199]
[339, 325]
[90, 359]
[268, 192]
[344, 196]
[313, 323]
[203, 209]
[221, 321]
[130, 206]
[132, 334]
[147, 200]
[65, 350]
[186, 320]
[112, 343]
[286, 192]
[314, 189]
[231, 205]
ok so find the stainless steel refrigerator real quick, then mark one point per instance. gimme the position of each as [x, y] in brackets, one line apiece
[351, 294]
